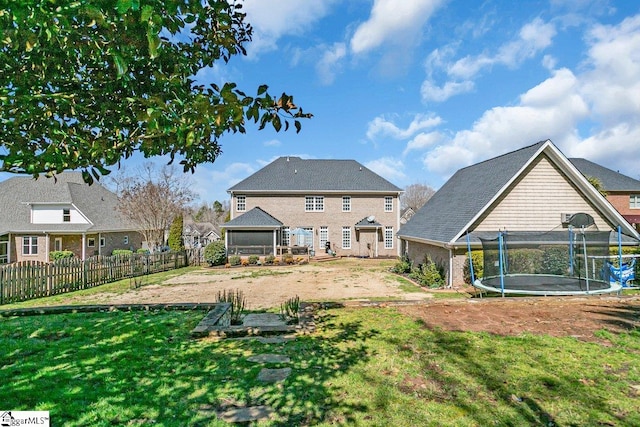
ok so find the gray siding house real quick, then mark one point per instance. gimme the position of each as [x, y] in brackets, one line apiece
[44, 215]
[317, 204]
[531, 189]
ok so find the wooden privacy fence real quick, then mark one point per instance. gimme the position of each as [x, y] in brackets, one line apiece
[33, 279]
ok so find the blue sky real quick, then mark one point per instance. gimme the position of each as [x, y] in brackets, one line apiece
[416, 89]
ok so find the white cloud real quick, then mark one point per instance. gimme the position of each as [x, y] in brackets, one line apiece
[534, 37]
[212, 184]
[329, 64]
[389, 168]
[392, 21]
[276, 18]
[272, 143]
[422, 141]
[431, 92]
[383, 127]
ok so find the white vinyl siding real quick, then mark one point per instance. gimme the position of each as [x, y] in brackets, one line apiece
[314, 204]
[346, 237]
[388, 204]
[56, 214]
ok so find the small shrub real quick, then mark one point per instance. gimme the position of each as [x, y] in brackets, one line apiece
[56, 255]
[555, 260]
[476, 259]
[244, 262]
[238, 303]
[142, 251]
[253, 259]
[290, 310]
[269, 259]
[276, 261]
[403, 266]
[288, 259]
[215, 253]
[121, 252]
[235, 260]
[428, 273]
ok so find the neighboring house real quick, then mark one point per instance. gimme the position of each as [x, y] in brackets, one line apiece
[47, 214]
[406, 215]
[532, 189]
[199, 234]
[316, 204]
[623, 192]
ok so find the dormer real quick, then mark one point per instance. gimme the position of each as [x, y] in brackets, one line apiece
[45, 213]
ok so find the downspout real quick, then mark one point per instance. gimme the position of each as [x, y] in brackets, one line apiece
[450, 285]
[275, 241]
[46, 245]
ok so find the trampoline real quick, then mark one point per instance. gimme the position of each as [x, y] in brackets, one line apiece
[571, 261]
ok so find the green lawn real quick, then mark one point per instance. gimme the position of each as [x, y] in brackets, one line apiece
[363, 367]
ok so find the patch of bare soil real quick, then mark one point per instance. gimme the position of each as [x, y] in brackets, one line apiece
[269, 286]
[560, 317]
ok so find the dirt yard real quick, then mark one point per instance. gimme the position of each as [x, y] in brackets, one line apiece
[356, 281]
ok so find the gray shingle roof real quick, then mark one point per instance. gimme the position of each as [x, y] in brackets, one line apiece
[255, 217]
[365, 223]
[460, 199]
[95, 202]
[294, 174]
[610, 179]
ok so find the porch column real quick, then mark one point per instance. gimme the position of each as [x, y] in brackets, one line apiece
[84, 246]
[275, 241]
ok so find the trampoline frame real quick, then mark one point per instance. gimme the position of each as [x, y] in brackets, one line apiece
[503, 290]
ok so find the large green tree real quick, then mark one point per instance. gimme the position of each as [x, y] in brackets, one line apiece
[86, 83]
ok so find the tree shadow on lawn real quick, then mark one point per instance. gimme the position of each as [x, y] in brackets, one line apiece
[517, 384]
[130, 368]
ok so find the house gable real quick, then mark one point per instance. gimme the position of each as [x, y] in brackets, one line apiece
[537, 201]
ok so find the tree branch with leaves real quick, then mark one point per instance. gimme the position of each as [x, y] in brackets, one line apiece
[87, 83]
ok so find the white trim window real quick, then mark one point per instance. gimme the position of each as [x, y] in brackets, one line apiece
[241, 203]
[346, 237]
[634, 201]
[57, 244]
[91, 242]
[66, 215]
[388, 203]
[388, 237]
[103, 242]
[286, 236]
[324, 236]
[125, 240]
[29, 245]
[346, 203]
[314, 203]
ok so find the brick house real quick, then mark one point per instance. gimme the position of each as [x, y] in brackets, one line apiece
[38, 216]
[317, 204]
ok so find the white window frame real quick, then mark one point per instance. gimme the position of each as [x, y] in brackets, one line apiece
[57, 244]
[241, 203]
[91, 242]
[388, 237]
[31, 244]
[125, 240]
[314, 203]
[66, 215]
[285, 238]
[634, 201]
[346, 203]
[346, 237]
[388, 203]
[324, 236]
[103, 242]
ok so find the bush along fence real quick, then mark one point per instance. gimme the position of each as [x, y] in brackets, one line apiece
[32, 279]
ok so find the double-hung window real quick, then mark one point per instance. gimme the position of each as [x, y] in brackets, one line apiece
[346, 203]
[346, 237]
[241, 203]
[29, 245]
[66, 215]
[314, 204]
[388, 204]
[388, 237]
[324, 236]
[634, 201]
